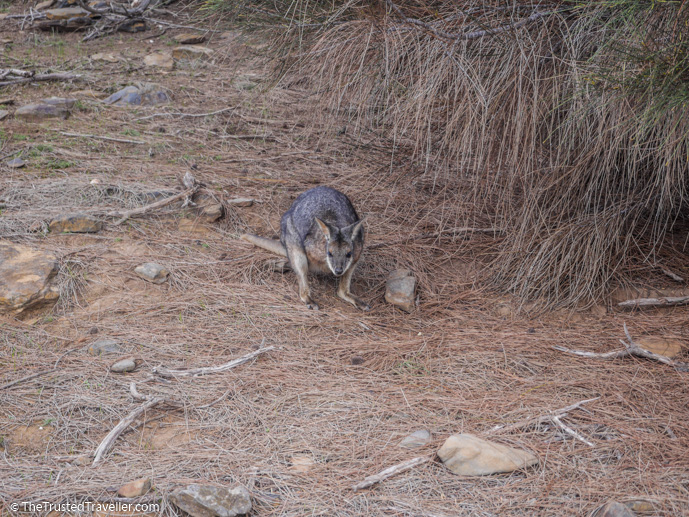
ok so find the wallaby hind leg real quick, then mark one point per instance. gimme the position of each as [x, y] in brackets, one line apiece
[300, 265]
[344, 292]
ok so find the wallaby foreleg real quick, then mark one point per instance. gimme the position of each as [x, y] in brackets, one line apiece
[344, 290]
[300, 264]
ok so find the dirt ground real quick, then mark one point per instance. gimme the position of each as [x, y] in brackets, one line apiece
[328, 406]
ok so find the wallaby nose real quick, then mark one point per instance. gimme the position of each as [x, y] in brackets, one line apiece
[339, 271]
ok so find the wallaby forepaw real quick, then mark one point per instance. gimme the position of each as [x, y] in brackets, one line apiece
[313, 306]
[363, 306]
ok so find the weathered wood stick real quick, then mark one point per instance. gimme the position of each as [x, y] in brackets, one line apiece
[27, 378]
[557, 413]
[98, 137]
[655, 302]
[391, 471]
[164, 372]
[42, 77]
[672, 275]
[570, 431]
[112, 436]
[158, 204]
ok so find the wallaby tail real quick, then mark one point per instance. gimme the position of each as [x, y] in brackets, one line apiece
[272, 245]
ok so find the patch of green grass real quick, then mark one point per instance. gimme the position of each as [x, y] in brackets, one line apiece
[131, 132]
[19, 136]
[39, 149]
[58, 164]
[411, 367]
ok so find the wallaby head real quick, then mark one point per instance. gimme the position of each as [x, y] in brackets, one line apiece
[339, 245]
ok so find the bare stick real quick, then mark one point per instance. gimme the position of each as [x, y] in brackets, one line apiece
[98, 137]
[630, 348]
[557, 413]
[109, 440]
[164, 372]
[655, 302]
[391, 471]
[158, 204]
[672, 275]
[570, 431]
[27, 378]
[42, 77]
[193, 115]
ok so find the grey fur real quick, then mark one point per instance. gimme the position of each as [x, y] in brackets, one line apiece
[321, 232]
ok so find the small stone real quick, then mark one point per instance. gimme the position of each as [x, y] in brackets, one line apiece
[242, 202]
[93, 330]
[40, 111]
[189, 39]
[468, 455]
[60, 102]
[357, 360]
[160, 60]
[401, 289]
[640, 506]
[301, 463]
[123, 366]
[4, 114]
[132, 25]
[135, 488]
[212, 501]
[613, 509]
[143, 95]
[67, 13]
[208, 207]
[152, 272]
[192, 52]
[416, 439]
[16, 163]
[26, 277]
[41, 6]
[107, 57]
[75, 223]
[104, 346]
[660, 345]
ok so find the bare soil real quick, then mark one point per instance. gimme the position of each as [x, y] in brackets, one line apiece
[342, 387]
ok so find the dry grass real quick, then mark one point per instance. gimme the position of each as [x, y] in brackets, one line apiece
[455, 365]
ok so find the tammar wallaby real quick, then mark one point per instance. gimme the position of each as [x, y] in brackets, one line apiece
[321, 232]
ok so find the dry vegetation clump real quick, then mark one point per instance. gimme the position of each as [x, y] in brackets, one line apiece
[566, 121]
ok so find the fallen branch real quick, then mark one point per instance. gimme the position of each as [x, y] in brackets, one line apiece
[164, 372]
[57, 76]
[570, 431]
[672, 275]
[98, 137]
[557, 413]
[112, 436]
[193, 115]
[27, 378]
[630, 348]
[655, 302]
[392, 471]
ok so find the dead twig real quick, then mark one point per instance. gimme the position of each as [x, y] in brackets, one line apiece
[27, 378]
[655, 302]
[193, 115]
[57, 76]
[392, 471]
[164, 372]
[631, 348]
[557, 413]
[98, 137]
[672, 275]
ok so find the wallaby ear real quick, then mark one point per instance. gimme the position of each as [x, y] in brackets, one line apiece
[324, 228]
[353, 229]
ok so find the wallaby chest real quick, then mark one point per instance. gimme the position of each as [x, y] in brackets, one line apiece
[315, 246]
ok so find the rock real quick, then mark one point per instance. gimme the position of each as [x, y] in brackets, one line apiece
[356, 360]
[26, 277]
[4, 114]
[468, 455]
[132, 25]
[189, 39]
[301, 463]
[416, 439]
[152, 272]
[640, 506]
[135, 488]
[104, 346]
[161, 60]
[142, 95]
[16, 163]
[40, 111]
[60, 102]
[125, 365]
[401, 289]
[75, 223]
[7, 100]
[613, 509]
[211, 501]
[41, 6]
[67, 13]
[241, 202]
[192, 53]
[107, 57]
[208, 207]
[660, 345]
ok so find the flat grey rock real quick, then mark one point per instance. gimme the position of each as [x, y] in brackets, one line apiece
[416, 439]
[212, 501]
[62, 102]
[241, 201]
[26, 277]
[75, 223]
[4, 114]
[468, 455]
[41, 111]
[16, 163]
[400, 289]
[104, 346]
[142, 95]
[123, 365]
[152, 272]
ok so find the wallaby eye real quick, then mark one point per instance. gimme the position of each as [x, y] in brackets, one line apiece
[349, 255]
[330, 254]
